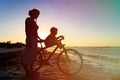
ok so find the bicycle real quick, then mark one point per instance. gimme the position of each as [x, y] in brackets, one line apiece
[70, 58]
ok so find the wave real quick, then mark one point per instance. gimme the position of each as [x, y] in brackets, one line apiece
[110, 54]
[105, 58]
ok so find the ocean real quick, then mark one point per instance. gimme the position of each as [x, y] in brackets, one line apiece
[106, 58]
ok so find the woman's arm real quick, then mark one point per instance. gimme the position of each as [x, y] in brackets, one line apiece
[39, 39]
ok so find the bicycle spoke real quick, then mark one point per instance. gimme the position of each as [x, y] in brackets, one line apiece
[69, 62]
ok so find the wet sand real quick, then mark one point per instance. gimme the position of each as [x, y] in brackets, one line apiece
[87, 73]
[11, 69]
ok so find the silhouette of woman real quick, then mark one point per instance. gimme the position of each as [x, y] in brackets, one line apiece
[32, 38]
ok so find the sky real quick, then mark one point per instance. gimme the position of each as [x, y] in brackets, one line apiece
[82, 22]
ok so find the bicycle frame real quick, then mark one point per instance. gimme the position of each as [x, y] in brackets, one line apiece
[51, 54]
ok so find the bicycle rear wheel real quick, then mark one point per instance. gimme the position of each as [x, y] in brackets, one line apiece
[38, 63]
[69, 61]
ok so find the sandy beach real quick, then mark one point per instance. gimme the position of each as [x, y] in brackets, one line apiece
[11, 69]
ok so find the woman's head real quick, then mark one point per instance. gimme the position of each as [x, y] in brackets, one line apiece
[34, 13]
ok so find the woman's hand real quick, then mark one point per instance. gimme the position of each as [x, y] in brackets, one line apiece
[40, 40]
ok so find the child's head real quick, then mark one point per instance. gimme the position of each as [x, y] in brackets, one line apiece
[53, 30]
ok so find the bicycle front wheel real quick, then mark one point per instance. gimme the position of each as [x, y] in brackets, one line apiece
[69, 61]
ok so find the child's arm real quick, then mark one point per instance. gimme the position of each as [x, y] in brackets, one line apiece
[60, 37]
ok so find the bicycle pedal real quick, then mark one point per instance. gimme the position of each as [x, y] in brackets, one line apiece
[46, 63]
[50, 65]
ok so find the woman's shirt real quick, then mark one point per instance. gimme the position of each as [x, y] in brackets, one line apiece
[31, 27]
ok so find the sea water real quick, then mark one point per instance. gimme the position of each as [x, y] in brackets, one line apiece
[106, 58]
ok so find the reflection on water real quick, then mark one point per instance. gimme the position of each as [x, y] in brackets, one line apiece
[106, 58]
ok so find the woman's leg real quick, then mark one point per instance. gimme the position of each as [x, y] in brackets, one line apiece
[26, 69]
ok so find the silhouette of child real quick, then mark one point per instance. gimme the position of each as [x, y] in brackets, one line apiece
[52, 40]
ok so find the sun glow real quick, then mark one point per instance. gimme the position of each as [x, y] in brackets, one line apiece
[42, 35]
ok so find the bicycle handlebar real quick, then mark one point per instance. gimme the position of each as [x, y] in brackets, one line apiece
[60, 38]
